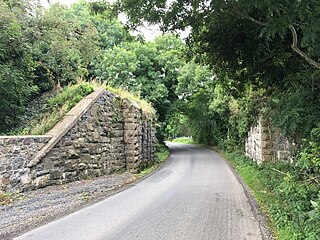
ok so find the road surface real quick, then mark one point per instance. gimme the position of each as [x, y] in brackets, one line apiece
[194, 196]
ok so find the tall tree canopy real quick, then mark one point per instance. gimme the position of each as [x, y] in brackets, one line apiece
[44, 48]
[267, 46]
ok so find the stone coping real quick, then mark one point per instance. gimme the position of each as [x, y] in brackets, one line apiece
[69, 120]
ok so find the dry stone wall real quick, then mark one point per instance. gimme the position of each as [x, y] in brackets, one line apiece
[266, 144]
[111, 135]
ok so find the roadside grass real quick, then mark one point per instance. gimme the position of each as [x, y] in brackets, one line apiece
[162, 155]
[290, 203]
[9, 198]
[186, 140]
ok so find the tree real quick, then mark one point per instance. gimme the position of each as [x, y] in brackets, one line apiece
[66, 45]
[271, 18]
[16, 65]
[150, 69]
[268, 46]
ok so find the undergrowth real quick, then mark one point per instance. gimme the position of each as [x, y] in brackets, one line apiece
[59, 105]
[54, 109]
[288, 193]
[9, 198]
[162, 153]
[161, 156]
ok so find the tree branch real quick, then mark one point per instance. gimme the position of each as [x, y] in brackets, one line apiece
[295, 48]
[245, 15]
[294, 44]
[255, 20]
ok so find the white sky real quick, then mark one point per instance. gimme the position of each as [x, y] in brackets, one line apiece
[149, 33]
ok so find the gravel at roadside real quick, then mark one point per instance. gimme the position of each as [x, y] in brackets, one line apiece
[40, 206]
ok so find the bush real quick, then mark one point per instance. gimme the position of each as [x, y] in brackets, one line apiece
[288, 193]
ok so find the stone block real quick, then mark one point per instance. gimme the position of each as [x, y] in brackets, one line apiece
[48, 164]
[265, 137]
[5, 181]
[84, 150]
[70, 165]
[67, 142]
[25, 179]
[266, 145]
[267, 158]
[72, 154]
[41, 181]
[39, 172]
[17, 163]
[93, 165]
[55, 174]
[15, 149]
[85, 158]
[82, 166]
[79, 143]
[89, 127]
[94, 112]
[265, 152]
[95, 137]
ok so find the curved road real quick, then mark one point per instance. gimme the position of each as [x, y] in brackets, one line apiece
[194, 196]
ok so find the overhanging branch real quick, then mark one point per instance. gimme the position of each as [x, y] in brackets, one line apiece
[294, 44]
[295, 48]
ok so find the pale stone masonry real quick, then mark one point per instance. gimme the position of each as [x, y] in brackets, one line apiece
[266, 144]
[102, 134]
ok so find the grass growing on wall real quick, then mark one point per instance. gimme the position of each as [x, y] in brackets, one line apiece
[162, 153]
[59, 105]
[288, 193]
[56, 108]
[124, 94]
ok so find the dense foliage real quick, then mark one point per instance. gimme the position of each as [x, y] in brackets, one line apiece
[149, 69]
[262, 52]
[51, 48]
[288, 193]
[45, 49]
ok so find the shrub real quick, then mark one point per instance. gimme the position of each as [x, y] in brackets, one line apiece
[288, 193]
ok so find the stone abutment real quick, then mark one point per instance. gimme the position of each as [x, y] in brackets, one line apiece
[102, 134]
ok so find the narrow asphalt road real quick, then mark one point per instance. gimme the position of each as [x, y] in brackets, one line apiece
[194, 196]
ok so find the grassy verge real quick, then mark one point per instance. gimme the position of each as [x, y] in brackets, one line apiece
[161, 156]
[187, 140]
[286, 196]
